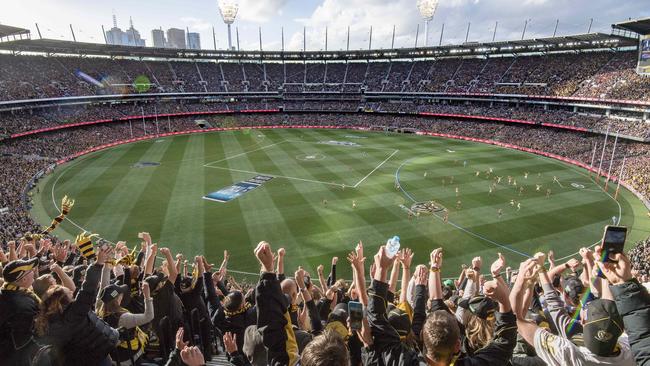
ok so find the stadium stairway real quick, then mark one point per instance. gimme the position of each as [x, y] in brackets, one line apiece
[218, 360]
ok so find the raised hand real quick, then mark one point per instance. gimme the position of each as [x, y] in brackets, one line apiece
[421, 275]
[476, 263]
[356, 262]
[573, 264]
[551, 258]
[281, 252]
[382, 260]
[192, 356]
[435, 258]
[498, 265]
[264, 256]
[146, 237]
[299, 275]
[540, 258]
[527, 270]
[105, 253]
[359, 249]
[230, 342]
[320, 269]
[617, 272]
[166, 252]
[497, 291]
[335, 260]
[60, 253]
[405, 256]
[587, 254]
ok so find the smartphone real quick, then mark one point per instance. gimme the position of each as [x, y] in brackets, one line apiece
[613, 241]
[355, 312]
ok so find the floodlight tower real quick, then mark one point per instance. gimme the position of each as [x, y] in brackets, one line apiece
[228, 10]
[427, 9]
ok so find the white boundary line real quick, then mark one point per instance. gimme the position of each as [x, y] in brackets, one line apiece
[323, 142]
[279, 176]
[377, 167]
[208, 165]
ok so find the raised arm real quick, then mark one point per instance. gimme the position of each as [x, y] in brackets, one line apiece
[171, 267]
[394, 274]
[632, 302]
[316, 325]
[435, 263]
[357, 261]
[526, 274]
[405, 257]
[383, 334]
[321, 278]
[66, 281]
[129, 320]
[277, 334]
[280, 268]
[152, 250]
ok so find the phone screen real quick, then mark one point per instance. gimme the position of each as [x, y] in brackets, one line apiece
[355, 311]
[613, 241]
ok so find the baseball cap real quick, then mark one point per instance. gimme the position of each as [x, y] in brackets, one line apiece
[154, 280]
[603, 327]
[112, 291]
[449, 283]
[15, 270]
[399, 319]
[574, 288]
[480, 306]
[340, 313]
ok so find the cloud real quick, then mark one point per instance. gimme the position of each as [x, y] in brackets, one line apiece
[260, 11]
[196, 24]
[359, 15]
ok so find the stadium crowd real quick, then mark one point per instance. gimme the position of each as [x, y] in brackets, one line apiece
[86, 303]
[605, 74]
[29, 120]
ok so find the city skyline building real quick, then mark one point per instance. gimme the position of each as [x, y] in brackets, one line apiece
[158, 38]
[193, 41]
[130, 37]
[176, 38]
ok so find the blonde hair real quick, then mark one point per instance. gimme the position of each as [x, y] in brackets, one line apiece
[479, 331]
[54, 303]
[111, 307]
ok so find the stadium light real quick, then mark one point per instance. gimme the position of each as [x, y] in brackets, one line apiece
[228, 10]
[427, 9]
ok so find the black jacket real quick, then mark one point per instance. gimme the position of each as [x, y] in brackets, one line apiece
[79, 334]
[387, 348]
[273, 322]
[633, 303]
[17, 311]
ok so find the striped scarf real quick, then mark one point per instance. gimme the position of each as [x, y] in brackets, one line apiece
[8, 286]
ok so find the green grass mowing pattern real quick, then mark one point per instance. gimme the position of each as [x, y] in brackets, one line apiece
[117, 200]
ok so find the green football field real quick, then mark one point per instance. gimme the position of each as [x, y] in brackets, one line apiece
[307, 207]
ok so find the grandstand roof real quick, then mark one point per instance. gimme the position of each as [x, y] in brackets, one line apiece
[640, 26]
[7, 30]
[591, 41]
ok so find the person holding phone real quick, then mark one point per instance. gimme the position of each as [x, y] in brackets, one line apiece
[632, 301]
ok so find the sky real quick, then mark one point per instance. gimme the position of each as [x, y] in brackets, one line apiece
[314, 16]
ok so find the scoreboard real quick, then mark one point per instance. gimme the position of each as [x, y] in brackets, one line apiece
[643, 67]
